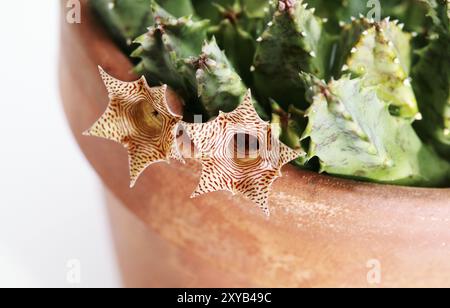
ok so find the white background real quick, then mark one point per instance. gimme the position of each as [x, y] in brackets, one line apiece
[51, 203]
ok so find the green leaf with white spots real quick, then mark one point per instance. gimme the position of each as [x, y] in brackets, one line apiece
[353, 134]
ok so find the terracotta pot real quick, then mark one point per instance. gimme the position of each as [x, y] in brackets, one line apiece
[323, 232]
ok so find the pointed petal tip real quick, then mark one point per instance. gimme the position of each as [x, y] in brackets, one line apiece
[144, 81]
[132, 184]
[194, 195]
[100, 69]
[248, 99]
[102, 72]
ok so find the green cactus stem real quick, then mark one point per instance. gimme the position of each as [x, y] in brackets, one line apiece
[410, 12]
[232, 36]
[237, 24]
[124, 19]
[439, 13]
[207, 9]
[383, 56]
[178, 8]
[219, 86]
[127, 19]
[431, 82]
[353, 134]
[166, 48]
[289, 126]
[294, 41]
[338, 11]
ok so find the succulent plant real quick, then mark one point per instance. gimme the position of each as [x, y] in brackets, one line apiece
[128, 19]
[166, 48]
[220, 88]
[431, 81]
[439, 13]
[353, 134]
[125, 19]
[351, 91]
[411, 12]
[294, 41]
[237, 24]
[214, 10]
[177, 8]
[289, 125]
[338, 10]
[383, 55]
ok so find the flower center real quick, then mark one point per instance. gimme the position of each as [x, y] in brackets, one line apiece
[244, 147]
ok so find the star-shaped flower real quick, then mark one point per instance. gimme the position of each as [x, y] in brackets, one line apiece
[139, 118]
[239, 153]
